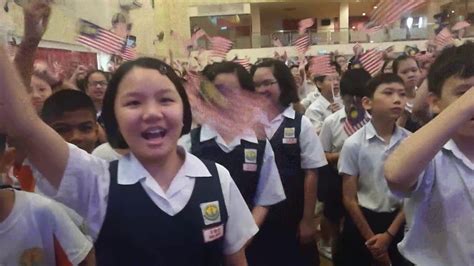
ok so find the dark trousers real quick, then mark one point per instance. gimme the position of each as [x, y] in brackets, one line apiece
[330, 193]
[351, 246]
[277, 245]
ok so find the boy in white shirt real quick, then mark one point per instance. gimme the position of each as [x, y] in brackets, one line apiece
[29, 226]
[325, 104]
[335, 130]
[434, 168]
[372, 227]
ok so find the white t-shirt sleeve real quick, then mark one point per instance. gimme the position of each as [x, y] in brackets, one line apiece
[325, 135]
[315, 116]
[240, 226]
[269, 188]
[75, 245]
[348, 161]
[312, 153]
[85, 187]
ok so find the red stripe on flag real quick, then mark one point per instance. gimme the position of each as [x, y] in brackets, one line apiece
[243, 62]
[100, 39]
[304, 24]
[444, 38]
[390, 11]
[302, 44]
[321, 66]
[220, 46]
[372, 61]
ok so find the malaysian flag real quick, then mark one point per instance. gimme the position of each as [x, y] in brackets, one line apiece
[444, 38]
[302, 43]
[390, 11]
[95, 37]
[243, 62]
[321, 66]
[220, 46]
[350, 129]
[129, 53]
[372, 61]
[304, 24]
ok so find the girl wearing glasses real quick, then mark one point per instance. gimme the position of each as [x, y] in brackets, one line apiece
[289, 230]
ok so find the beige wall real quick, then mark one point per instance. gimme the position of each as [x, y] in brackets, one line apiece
[62, 26]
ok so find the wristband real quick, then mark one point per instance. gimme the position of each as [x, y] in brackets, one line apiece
[390, 234]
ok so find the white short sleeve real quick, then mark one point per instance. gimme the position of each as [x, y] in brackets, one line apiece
[348, 158]
[312, 153]
[240, 225]
[74, 243]
[315, 116]
[325, 135]
[85, 187]
[269, 188]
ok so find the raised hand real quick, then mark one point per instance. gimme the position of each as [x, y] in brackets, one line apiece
[36, 15]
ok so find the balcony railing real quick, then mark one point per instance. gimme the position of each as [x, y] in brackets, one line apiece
[342, 36]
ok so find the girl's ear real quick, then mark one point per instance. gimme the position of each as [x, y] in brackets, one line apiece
[366, 103]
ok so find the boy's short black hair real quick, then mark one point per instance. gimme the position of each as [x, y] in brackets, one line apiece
[66, 101]
[453, 61]
[353, 82]
[401, 58]
[378, 80]
[245, 80]
[319, 78]
[286, 81]
[114, 136]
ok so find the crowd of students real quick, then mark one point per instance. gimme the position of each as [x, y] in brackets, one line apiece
[116, 170]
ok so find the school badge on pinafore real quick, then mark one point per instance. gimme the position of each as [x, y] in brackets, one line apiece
[289, 136]
[211, 214]
[250, 163]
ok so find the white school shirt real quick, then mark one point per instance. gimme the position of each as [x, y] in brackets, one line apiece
[106, 152]
[332, 133]
[363, 155]
[86, 180]
[318, 111]
[306, 88]
[30, 227]
[310, 98]
[440, 211]
[312, 154]
[269, 188]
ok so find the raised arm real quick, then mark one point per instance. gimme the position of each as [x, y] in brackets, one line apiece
[407, 162]
[45, 148]
[36, 18]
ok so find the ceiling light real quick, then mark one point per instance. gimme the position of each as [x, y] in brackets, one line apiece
[375, 7]
[363, 14]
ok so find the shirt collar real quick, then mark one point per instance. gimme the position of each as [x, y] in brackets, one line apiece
[289, 112]
[397, 135]
[341, 114]
[323, 101]
[208, 133]
[131, 171]
[453, 147]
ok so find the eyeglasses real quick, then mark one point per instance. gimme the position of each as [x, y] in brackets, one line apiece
[101, 83]
[265, 83]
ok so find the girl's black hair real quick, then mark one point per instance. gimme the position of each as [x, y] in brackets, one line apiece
[114, 136]
[286, 81]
